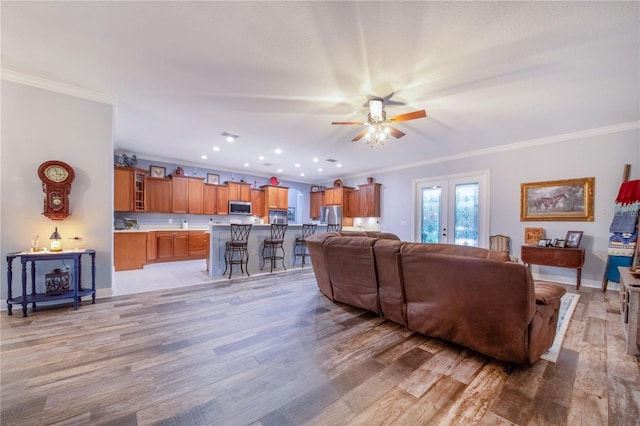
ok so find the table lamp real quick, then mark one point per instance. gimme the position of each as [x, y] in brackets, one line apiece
[56, 241]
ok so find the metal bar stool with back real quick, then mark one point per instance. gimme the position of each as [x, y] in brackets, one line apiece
[236, 251]
[334, 227]
[300, 246]
[272, 244]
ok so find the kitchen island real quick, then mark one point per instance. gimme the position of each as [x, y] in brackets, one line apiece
[221, 233]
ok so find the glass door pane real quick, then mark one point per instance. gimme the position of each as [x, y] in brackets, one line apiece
[431, 214]
[466, 214]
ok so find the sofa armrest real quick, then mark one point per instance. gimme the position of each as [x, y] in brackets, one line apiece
[547, 293]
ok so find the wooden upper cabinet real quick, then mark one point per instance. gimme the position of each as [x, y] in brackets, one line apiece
[223, 200]
[275, 197]
[315, 202]
[129, 189]
[354, 204]
[159, 195]
[210, 199]
[239, 191]
[179, 194]
[187, 194]
[257, 202]
[337, 196]
[215, 199]
[196, 195]
[369, 200]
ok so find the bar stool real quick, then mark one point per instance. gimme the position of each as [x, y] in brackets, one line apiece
[271, 245]
[300, 246]
[334, 227]
[236, 252]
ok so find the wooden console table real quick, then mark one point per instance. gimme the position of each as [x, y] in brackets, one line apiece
[75, 293]
[554, 256]
[630, 309]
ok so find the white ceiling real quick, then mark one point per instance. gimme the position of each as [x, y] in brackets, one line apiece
[278, 73]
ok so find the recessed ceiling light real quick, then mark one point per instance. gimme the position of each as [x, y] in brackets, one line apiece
[320, 169]
[315, 160]
[246, 164]
[278, 151]
[279, 170]
[297, 164]
[261, 157]
[338, 165]
[216, 148]
[301, 174]
[204, 157]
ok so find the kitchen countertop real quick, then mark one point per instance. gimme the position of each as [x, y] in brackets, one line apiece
[206, 227]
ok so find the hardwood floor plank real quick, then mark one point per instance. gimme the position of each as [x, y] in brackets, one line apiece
[472, 404]
[515, 400]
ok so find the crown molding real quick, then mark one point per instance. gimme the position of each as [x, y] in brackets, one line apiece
[581, 134]
[55, 86]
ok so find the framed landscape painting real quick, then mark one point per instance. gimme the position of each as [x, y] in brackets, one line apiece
[557, 200]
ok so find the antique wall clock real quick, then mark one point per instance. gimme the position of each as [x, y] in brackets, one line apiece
[56, 178]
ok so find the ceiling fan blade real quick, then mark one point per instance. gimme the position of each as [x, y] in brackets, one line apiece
[396, 133]
[408, 116]
[355, 123]
[359, 136]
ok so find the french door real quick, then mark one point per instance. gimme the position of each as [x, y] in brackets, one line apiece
[453, 209]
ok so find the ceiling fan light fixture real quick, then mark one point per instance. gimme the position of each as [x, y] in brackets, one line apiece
[229, 137]
[375, 109]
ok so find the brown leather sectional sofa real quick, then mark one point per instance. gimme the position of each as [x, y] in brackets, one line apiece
[471, 296]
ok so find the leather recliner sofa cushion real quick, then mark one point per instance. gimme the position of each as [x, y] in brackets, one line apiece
[315, 246]
[483, 305]
[390, 288]
[352, 270]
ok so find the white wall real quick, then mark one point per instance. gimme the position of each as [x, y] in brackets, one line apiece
[601, 156]
[40, 125]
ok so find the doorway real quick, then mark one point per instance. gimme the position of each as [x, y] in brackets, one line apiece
[453, 209]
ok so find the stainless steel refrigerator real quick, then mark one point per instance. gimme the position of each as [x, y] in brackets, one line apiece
[331, 214]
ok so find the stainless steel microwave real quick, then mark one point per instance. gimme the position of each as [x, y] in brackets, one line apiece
[239, 207]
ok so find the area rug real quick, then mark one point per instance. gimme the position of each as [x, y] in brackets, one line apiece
[568, 304]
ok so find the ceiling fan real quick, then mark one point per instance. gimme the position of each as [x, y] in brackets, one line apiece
[379, 127]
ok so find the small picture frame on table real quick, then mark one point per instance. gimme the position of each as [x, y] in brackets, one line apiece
[543, 242]
[157, 172]
[573, 239]
[560, 243]
[212, 178]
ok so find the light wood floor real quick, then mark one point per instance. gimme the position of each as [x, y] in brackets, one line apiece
[275, 351]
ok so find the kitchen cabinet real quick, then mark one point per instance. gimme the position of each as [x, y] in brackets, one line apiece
[369, 200]
[129, 186]
[152, 246]
[257, 202]
[198, 244]
[130, 250]
[239, 191]
[315, 202]
[338, 196]
[215, 199]
[196, 188]
[275, 197]
[187, 194]
[172, 245]
[158, 195]
[354, 204]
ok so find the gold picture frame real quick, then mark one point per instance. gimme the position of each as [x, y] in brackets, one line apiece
[557, 200]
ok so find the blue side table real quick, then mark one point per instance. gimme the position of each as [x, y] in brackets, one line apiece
[76, 293]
